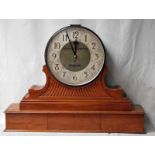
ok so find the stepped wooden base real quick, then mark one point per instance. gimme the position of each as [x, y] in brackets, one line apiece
[74, 121]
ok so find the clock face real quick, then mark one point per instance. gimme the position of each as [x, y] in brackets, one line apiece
[75, 55]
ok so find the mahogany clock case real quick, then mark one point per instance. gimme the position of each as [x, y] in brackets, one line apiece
[59, 108]
[56, 107]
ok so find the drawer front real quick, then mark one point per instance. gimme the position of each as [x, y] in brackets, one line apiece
[26, 121]
[74, 122]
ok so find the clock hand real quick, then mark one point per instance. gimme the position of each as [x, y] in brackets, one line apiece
[75, 43]
[75, 56]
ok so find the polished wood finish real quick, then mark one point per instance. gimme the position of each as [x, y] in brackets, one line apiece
[90, 108]
[74, 121]
[57, 96]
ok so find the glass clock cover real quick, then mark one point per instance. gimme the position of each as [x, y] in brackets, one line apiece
[75, 55]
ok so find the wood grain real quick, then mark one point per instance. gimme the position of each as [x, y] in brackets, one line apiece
[91, 108]
[57, 96]
[74, 121]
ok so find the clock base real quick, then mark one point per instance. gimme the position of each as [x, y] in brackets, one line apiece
[74, 121]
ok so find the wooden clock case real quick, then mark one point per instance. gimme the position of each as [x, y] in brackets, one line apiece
[56, 107]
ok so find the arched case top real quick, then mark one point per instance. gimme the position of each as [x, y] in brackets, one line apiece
[94, 96]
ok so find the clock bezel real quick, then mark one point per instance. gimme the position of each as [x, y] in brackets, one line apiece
[46, 52]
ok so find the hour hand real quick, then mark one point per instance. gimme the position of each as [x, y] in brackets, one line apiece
[75, 45]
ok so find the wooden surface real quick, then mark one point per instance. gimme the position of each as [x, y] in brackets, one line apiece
[91, 108]
[57, 96]
[74, 121]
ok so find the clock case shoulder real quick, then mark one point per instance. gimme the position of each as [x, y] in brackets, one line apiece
[93, 96]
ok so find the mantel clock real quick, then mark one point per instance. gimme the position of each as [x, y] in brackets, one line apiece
[75, 97]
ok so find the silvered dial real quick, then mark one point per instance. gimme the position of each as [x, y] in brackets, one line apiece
[75, 55]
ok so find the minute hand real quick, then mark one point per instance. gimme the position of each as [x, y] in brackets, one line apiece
[74, 52]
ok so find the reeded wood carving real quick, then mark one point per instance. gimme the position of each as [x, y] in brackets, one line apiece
[56, 96]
